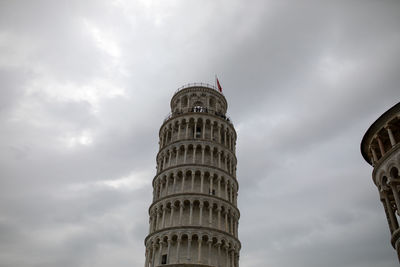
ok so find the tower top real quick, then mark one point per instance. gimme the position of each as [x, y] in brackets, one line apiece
[189, 85]
[197, 94]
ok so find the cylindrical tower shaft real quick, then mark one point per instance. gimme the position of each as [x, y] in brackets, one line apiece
[194, 215]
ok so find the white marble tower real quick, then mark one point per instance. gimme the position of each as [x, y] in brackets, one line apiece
[194, 215]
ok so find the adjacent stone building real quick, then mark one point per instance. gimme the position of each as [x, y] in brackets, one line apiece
[194, 215]
[380, 147]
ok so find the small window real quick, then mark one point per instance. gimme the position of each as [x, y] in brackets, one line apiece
[198, 132]
[164, 259]
[211, 192]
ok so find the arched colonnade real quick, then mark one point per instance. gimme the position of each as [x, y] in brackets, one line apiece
[198, 127]
[200, 211]
[186, 152]
[193, 245]
[207, 182]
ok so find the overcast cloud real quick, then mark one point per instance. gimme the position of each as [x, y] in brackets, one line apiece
[85, 86]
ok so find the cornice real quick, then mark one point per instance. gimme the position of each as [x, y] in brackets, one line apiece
[193, 228]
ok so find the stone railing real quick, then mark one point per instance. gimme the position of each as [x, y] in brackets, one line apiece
[199, 85]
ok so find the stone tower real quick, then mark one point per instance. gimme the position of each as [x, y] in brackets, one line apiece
[380, 147]
[194, 215]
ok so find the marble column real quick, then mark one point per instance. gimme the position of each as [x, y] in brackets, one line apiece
[171, 218]
[179, 130]
[163, 217]
[219, 186]
[189, 249]
[219, 254]
[191, 213]
[174, 183]
[146, 262]
[219, 217]
[381, 147]
[153, 256]
[183, 182]
[160, 253]
[202, 182]
[157, 218]
[192, 185]
[185, 154]
[178, 250]
[204, 130]
[391, 136]
[169, 250]
[219, 134]
[226, 221]
[209, 251]
[201, 213]
[199, 250]
[180, 213]
[226, 189]
[194, 153]
[374, 156]
[177, 156]
[166, 185]
[227, 256]
[210, 214]
[169, 158]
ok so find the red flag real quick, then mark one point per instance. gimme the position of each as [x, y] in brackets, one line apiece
[219, 86]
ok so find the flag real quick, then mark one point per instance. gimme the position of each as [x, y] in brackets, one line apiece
[219, 86]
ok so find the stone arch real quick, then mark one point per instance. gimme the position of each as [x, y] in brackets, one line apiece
[215, 239]
[378, 177]
[394, 173]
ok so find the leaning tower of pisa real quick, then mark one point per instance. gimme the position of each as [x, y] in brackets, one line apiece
[194, 215]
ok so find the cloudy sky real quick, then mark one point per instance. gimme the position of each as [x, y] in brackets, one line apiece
[85, 86]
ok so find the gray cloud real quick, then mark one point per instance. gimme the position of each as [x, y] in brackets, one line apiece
[86, 85]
